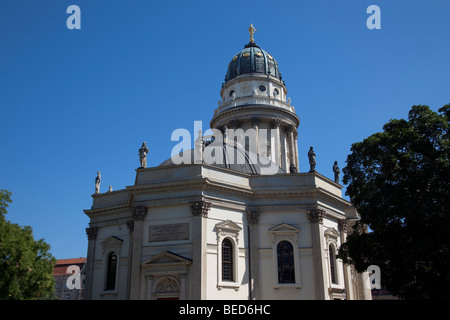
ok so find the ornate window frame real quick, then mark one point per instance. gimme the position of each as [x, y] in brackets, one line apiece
[331, 240]
[109, 246]
[279, 233]
[228, 230]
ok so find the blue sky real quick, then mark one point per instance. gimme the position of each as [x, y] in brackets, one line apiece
[73, 102]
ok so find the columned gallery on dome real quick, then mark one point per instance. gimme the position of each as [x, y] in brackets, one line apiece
[237, 222]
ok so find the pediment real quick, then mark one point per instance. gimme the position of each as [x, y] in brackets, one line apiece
[284, 228]
[228, 225]
[111, 242]
[166, 258]
[331, 232]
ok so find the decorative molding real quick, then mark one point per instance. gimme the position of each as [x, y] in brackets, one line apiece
[343, 225]
[285, 232]
[276, 123]
[91, 233]
[332, 235]
[253, 214]
[200, 208]
[316, 215]
[228, 228]
[139, 213]
[167, 285]
[111, 244]
[279, 233]
[166, 259]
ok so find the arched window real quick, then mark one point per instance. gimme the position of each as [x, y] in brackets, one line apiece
[286, 268]
[227, 260]
[332, 264]
[111, 272]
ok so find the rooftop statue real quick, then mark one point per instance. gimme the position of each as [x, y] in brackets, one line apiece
[98, 180]
[143, 151]
[312, 160]
[336, 171]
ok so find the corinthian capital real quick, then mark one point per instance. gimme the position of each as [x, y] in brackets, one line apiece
[139, 213]
[316, 215]
[200, 208]
[252, 215]
[91, 233]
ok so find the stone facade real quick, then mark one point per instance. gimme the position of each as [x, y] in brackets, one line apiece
[173, 247]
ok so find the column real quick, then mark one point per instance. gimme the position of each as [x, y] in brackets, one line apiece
[139, 214]
[296, 150]
[252, 224]
[284, 150]
[275, 142]
[316, 221]
[199, 210]
[255, 125]
[91, 233]
[292, 159]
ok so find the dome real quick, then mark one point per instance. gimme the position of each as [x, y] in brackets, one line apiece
[235, 158]
[252, 59]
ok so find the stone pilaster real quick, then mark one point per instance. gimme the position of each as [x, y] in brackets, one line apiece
[252, 225]
[138, 213]
[91, 233]
[199, 210]
[130, 226]
[315, 217]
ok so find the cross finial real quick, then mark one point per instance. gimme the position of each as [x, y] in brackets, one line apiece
[251, 30]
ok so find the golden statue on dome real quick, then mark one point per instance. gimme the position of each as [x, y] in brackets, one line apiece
[251, 30]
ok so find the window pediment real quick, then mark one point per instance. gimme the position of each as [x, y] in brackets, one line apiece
[284, 228]
[331, 233]
[111, 244]
[111, 241]
[284, 231]
[166, 258]
[228, 228]
[228, 225]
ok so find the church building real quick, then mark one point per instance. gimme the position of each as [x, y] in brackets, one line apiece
[231, 219]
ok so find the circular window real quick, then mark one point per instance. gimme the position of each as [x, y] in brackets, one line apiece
[231, 92]
[276, 92]
[262, 88]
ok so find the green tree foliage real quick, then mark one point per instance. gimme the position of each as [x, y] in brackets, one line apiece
[26, 266]
[399, 180]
